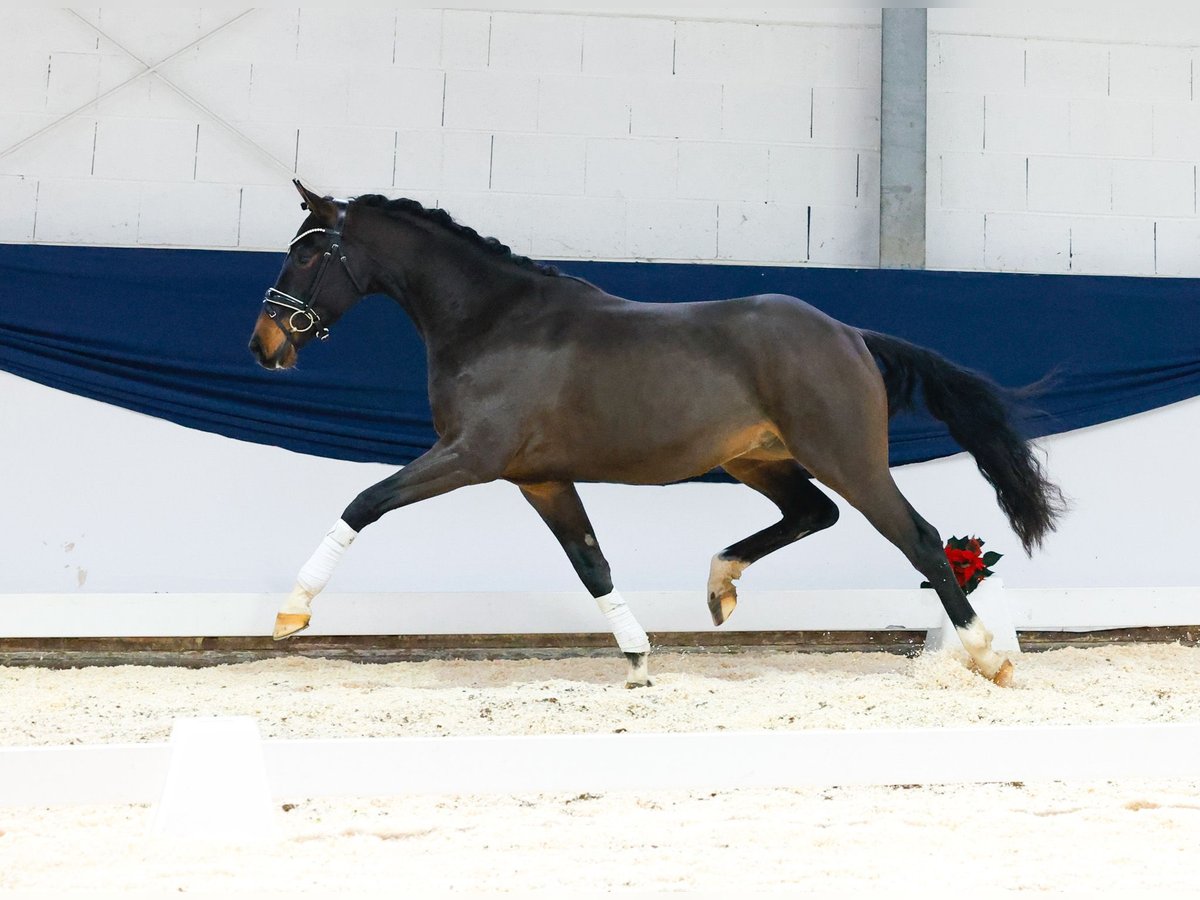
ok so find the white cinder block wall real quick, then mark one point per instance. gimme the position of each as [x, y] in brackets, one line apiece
[721, 137]
[1058, 142]
[1064, 141]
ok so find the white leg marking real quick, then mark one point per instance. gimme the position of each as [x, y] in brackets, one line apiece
[638, 673]
[631, 637]
[299, 601]
[978, 641]
[722, 595]
[722, 573]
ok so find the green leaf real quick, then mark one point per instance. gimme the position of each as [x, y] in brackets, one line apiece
[992, 557]
[926, 584]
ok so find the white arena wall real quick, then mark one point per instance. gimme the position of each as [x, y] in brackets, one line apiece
[672, 136]
[103, 500]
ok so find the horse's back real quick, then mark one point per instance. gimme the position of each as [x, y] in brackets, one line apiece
[743, 350]
[668, 390]
[770, 337]
[597, 316]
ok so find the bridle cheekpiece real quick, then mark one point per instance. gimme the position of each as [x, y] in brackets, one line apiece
[303, 317]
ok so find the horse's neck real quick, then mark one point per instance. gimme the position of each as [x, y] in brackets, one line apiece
[448, 287]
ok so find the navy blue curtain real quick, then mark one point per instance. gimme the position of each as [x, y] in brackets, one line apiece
[164, 332]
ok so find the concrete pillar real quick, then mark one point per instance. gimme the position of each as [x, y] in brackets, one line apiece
[902, 140]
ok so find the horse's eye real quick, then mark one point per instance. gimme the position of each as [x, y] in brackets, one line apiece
[304, 258]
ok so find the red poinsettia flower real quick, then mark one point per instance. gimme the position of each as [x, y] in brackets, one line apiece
[968, 562]
[965, 563]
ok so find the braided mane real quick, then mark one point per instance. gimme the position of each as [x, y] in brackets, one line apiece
[443, 219]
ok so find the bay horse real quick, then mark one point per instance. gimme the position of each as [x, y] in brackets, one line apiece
[544, 380]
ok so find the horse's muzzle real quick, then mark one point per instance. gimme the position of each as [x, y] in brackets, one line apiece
[270, 346]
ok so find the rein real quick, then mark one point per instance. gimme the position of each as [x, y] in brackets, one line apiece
[302, 306]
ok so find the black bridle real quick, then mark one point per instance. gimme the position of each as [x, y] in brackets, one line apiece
[302, 306]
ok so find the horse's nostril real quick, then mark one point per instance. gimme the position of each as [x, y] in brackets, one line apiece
[255, 346]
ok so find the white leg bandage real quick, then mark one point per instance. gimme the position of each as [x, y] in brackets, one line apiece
[315, 573]
[631, 637]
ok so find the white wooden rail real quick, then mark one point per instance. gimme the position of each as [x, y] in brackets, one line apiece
[218, 615]
[378, 767]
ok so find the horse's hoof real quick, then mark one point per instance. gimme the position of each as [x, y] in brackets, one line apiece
[630, 685]
[1004, 675]
[721, 607]
[287, 624]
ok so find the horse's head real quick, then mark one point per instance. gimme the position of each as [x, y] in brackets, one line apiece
[317, 285]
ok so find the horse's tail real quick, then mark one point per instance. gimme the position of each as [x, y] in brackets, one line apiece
[979, 415]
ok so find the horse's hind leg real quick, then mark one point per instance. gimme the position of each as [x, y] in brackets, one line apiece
[805, 510]
[846, 448]
[561, 509]
[886, 508]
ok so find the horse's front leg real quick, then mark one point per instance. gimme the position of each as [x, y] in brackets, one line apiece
[561, 509]
[442, 469]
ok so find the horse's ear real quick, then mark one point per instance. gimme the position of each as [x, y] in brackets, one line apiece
[321, 207]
